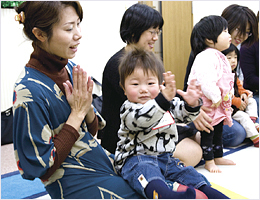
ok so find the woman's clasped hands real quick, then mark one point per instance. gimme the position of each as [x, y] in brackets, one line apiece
[79, 95]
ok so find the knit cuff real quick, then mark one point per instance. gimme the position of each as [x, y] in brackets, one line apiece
[162, 102]
[93, 126]
[193, 109]
[63, 143]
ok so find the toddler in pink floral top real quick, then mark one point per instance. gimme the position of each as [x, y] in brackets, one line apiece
[212, 71]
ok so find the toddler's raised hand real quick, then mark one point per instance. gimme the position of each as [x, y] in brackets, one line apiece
[169, 90]
[192, 95]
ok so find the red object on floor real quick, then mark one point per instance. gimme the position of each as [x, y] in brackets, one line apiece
[181, 188]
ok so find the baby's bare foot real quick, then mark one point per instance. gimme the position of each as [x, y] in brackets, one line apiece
[211, 166]
[223, 161]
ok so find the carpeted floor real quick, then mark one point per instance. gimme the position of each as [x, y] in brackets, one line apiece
[237, 182]
[240, 181]
[13, 186]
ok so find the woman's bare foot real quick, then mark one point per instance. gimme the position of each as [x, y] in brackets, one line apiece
[223, 161]
[211, 166]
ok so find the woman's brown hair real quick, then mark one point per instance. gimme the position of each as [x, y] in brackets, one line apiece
[237, 17]
[43, 15]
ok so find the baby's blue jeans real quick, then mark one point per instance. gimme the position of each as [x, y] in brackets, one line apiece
[163, 167]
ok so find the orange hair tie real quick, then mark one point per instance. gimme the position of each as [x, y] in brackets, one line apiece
[20, 17]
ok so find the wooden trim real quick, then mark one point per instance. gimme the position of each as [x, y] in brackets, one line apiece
[148, 3]
[178, 24]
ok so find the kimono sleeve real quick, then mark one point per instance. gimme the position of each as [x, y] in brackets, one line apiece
[33, 134]
[101, 120]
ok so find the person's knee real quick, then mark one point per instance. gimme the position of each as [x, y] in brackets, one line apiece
[189, 152]
[233, 136]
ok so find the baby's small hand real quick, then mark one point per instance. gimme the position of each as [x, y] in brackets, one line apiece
[216, 104]
[244, 98]
[169, 90]
[250, 94]
[242, 105]
[192, 95]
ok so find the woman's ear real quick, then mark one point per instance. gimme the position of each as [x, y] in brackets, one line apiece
[39, 34]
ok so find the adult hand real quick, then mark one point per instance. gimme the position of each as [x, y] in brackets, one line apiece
[202, 122]
[79, 96]
[169, 90]
[192, 95]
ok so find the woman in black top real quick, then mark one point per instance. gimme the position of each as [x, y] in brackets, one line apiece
[140, 26]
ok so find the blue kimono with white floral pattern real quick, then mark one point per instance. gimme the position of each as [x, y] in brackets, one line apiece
[40, 111]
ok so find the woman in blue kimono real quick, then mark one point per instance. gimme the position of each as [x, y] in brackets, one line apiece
[54, 121]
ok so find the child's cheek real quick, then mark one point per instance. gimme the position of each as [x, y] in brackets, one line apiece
[155, 92]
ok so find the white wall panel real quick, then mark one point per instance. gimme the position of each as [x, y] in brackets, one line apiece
[101, 39]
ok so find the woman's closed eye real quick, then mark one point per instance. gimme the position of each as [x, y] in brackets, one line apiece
[69, 29]
[70, 26]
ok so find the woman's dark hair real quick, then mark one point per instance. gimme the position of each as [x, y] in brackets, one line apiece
[210, 28]
[232, 48]
[137, 19]
[237, 17]
[44, 14]
[143, 59]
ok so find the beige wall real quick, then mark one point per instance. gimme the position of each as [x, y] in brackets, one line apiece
[176, 36]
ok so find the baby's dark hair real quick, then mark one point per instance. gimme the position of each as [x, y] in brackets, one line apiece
[139, 58]
[210, 28]
[232, 48]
